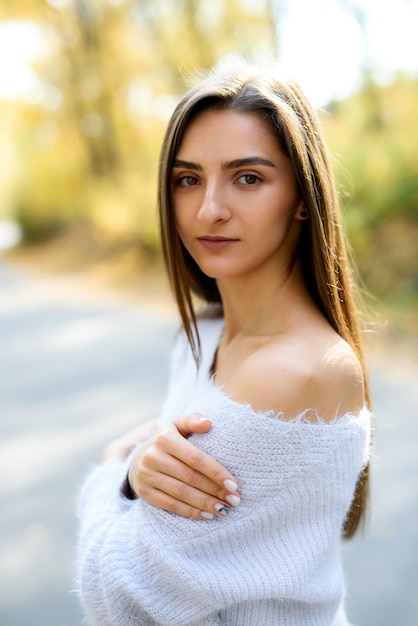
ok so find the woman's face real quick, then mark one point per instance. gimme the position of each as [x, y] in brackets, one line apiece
[235, 196]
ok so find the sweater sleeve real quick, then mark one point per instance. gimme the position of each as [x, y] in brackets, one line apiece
[269, 559]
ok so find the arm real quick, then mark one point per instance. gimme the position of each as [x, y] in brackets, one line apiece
[140, 564]
[168, 471]
[171, 473]
[322, 375]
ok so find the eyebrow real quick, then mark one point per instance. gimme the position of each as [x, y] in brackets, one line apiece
[228, 165]
[254, 160]
[187, 165]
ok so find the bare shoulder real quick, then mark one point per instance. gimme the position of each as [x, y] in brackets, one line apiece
[316, 370]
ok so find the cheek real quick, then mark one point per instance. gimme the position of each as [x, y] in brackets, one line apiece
[181, 208]
[272, 228]
[273, 217]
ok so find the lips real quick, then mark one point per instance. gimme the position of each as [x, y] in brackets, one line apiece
[216, 243]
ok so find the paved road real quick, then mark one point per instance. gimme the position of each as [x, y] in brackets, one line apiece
[76, 371]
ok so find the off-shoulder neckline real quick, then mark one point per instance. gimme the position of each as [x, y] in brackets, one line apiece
[301, 418]
[209, 374]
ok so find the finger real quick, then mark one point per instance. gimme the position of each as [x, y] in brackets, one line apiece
[189, 504]
[163, 472]
[192, 456]
[168, 503]
[192, 423]
[154, 468]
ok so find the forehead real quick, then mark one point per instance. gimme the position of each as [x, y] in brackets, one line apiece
[229, 131]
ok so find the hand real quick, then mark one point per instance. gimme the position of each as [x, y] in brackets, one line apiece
[119, 448]
[169, 472]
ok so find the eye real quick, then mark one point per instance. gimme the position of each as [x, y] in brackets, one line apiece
[249, 179]
[187, 181]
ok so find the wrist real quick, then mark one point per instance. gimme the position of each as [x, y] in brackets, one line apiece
[126, 489]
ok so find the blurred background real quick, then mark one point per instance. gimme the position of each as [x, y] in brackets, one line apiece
[87, 86]
[86, 89]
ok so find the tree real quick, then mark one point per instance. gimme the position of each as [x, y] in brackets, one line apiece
[113, 74]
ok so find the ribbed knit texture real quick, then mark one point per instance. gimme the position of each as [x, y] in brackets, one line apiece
[272, 561]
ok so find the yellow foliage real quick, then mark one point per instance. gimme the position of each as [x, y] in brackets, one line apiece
[87, 156]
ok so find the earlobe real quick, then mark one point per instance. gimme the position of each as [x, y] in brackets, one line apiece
[302, 214]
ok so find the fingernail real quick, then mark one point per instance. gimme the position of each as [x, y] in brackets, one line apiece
[206, 515]
[202, 419]
[221, 508]
[233, 500]
[230, 485]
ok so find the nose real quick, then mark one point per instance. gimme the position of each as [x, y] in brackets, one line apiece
[214, 207]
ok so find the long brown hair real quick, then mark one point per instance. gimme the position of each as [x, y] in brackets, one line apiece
[322, 248]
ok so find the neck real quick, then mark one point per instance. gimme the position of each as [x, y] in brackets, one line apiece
[265, 307]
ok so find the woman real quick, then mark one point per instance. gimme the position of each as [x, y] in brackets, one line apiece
[265, 430]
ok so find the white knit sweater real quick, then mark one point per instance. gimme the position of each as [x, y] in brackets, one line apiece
[274, 560]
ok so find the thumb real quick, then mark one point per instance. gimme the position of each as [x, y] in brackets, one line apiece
[192, 423]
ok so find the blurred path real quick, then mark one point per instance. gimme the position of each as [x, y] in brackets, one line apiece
[76, 370]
